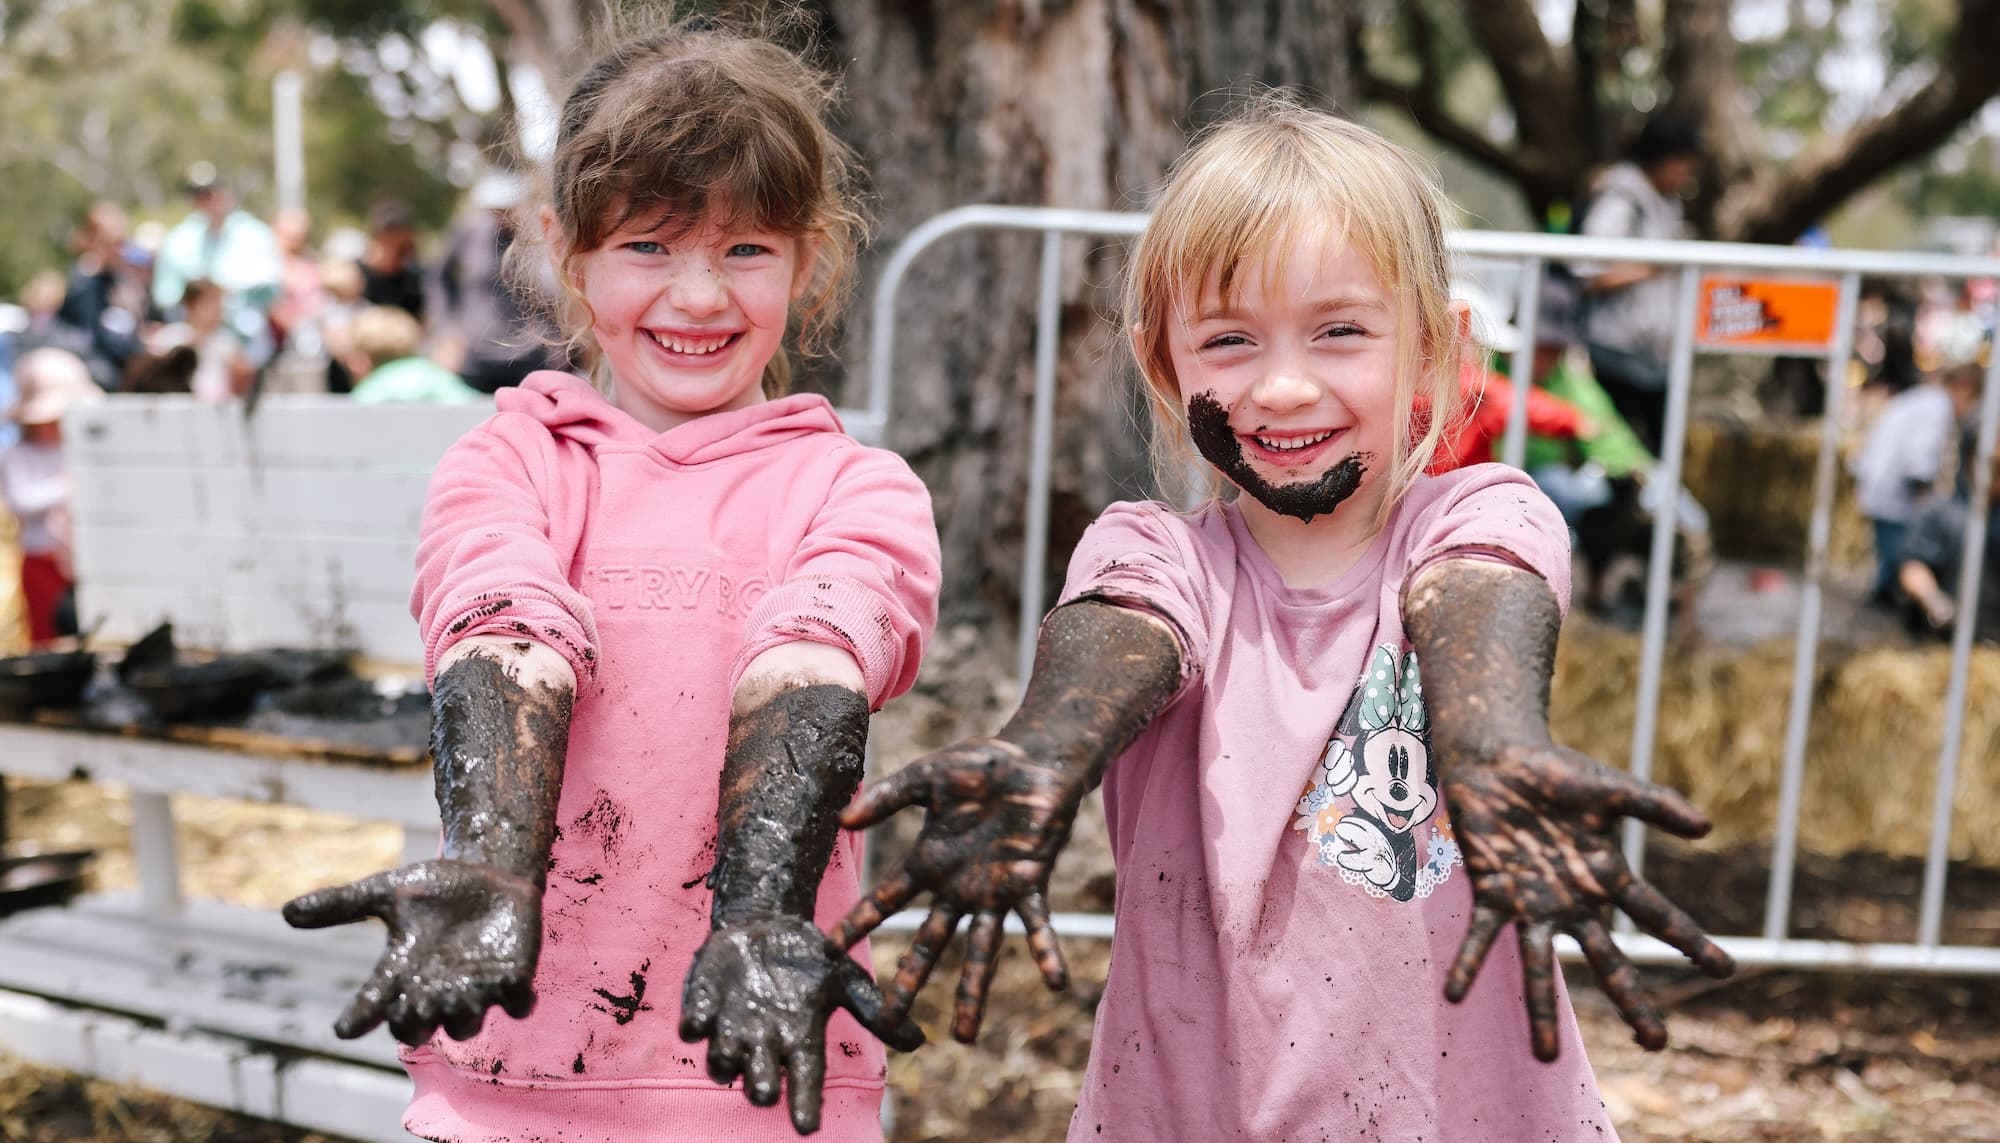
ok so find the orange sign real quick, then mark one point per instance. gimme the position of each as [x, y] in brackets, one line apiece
[1751, 315]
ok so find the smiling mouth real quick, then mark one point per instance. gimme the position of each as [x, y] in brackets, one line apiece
[1292, 444]
[1398, 819]
[693, 346]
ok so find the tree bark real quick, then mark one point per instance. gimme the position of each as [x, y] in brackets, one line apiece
[1073, 103]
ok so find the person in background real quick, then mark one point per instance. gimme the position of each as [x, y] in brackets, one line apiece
[382, 352]
[343, 283]
[1480, 434]
[1631, 319]
[229, 247]
[1929, 569]
[103, 298]
[35, 484]
[295, 313]
[390, 272]
[222, 369]
[1901, 459]
[483, 328]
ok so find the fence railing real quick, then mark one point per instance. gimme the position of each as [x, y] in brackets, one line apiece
[1533, 253]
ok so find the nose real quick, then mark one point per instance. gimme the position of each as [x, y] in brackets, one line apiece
[696, 290]
[1284, 388]
[1398, 791]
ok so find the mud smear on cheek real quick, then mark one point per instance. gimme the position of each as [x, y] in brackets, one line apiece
[1208, 425]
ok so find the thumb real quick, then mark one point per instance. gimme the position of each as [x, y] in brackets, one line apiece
[860, 996]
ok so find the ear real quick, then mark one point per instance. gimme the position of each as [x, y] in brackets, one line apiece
[1461, 312]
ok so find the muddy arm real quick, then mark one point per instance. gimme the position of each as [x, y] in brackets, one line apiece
[465, 930]
[1538, 821]
[999, 809]
[764, 983]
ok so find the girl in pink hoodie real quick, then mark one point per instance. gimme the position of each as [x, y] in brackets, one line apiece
[657, 612]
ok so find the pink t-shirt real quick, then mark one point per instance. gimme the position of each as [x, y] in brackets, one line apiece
[659, 565]
[1290, 893]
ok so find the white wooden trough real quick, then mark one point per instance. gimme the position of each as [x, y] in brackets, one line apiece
[295, 527]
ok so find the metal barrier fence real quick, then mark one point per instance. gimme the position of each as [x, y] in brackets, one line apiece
[1533, 253]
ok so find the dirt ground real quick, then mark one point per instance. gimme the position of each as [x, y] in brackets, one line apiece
[1769, 1057]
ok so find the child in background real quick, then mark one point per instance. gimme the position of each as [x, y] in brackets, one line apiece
[383, 352]
[35, 483]
[1318, 710]
[222, 370]
[657, 611]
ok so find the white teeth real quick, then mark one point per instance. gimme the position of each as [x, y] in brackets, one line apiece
[1295, 443]
[697, 347]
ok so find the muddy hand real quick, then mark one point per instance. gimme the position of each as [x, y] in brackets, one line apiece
[995, 820]
[462, 938]
[1539, 828]
[760, 992]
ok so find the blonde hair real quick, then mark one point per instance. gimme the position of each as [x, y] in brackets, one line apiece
[1272, 175]
[385, 333]
[695, 122]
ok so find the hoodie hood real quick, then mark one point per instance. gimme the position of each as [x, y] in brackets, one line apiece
[570, 408]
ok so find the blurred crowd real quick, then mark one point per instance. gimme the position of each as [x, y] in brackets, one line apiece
[225, 304]
[229, 306]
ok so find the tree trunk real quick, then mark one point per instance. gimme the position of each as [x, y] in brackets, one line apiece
[1072, 103]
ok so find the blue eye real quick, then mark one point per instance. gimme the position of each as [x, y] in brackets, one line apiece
[645, 247]
[747, 250]
[1225, 341]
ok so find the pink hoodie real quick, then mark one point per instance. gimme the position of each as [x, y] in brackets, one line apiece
[659, 565]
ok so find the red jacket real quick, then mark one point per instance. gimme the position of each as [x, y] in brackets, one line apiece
[1489, 398]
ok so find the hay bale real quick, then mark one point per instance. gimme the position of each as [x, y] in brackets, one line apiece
[1757, 483]
[1871, 753]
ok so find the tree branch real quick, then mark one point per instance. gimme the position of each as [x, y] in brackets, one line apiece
[1421, 103]
[1782, 202]
[1536, 78]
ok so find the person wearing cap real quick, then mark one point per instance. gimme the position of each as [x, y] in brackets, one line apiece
[1597, 476]
[35, 484]
[1489, 396]
[1631, 318]
[228, 246]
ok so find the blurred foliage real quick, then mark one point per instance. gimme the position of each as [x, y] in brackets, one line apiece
[1802, 64]
[115, 98]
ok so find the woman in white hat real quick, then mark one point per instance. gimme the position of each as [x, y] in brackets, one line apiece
[35, 484]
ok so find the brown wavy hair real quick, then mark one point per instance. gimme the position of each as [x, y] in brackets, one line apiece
[703, 122]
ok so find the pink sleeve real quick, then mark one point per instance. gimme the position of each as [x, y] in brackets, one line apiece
[865, 578]
[495, 546]
[1494, 512]
[1135, 556]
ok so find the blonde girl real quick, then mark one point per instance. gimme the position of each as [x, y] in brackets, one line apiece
[1317, 708]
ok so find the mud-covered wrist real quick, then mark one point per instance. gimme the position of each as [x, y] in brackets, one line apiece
[497, 751]
[1486, 633]
[792, 762]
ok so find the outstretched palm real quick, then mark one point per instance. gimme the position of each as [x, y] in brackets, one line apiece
[462, 938]
[995, 819]
[1537, 824]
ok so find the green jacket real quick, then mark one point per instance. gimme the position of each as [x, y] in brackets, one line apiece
[415, 379]
[1615, 448]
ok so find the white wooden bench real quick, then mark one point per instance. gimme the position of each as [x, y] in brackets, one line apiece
[294, 528]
